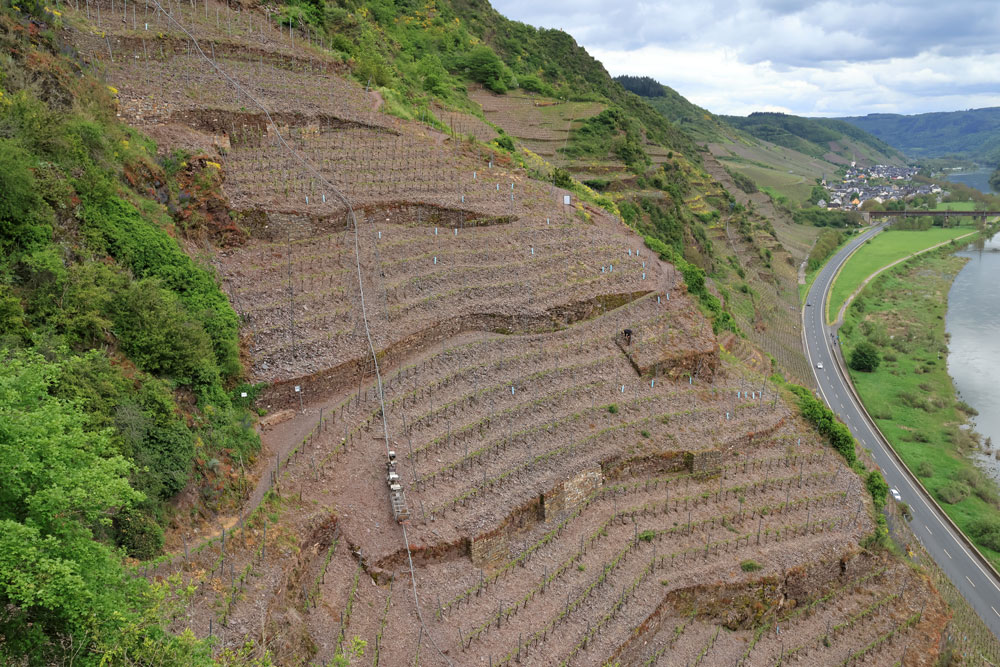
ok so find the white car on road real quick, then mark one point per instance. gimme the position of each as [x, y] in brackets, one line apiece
[819, 365]
[895, 495]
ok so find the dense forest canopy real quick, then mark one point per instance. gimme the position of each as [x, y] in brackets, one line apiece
[642, 86]
[973, 134]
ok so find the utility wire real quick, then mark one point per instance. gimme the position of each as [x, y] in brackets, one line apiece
[361, 288]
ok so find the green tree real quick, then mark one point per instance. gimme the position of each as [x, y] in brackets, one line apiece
[865, 357]
[818, 192]
[561, 178]
[58, 484]
[995, 180]
[484, 66]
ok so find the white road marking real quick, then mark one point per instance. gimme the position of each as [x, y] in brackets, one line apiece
[946, 552]
[995, 611]
[875, 439]
[970, 581]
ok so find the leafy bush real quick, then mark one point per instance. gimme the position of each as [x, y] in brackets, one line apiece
[823, 248]
[865, 357]
[483, 65]
[925, 469]
[953, 492]
[157, 333]
[25, 220]
[986, 530]
[819, 217]
[980, 484]
[150, 253]
[561, 178]
[138, 534]
[751, 566]
[534, 84]
[826, 423]
[877, 487]
[610, 131]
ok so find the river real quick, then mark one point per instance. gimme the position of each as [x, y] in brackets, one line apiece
[976, 178]
[973, 321]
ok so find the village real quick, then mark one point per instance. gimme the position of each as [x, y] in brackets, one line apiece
[879, 183]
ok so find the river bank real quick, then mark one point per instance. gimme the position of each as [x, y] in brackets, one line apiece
[972, 321]
[911, 395]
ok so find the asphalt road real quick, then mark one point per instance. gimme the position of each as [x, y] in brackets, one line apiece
[974, 580]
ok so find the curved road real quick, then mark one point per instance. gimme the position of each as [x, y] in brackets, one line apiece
[964, 569]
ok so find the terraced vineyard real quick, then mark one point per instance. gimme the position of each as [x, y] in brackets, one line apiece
[577, 494]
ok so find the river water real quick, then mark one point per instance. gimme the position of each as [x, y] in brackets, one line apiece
[977, 178]
[973, 320]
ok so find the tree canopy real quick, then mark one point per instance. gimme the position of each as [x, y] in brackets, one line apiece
[865, 357]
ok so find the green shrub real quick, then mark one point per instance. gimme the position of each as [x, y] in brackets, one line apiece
[150, 253]
[819, 217]
[613, 409]
[505, 142]
[826, 423]
[865, 357]
[138, 533]
[647, 535]
[986, 531]
[25, 220]
[823, 248]
[751, 566]
[953, 492]
[877, 487]
[925, 469]
[561, 178]
[157, 333]
[483, 65]
[742, 181]
[534, 84]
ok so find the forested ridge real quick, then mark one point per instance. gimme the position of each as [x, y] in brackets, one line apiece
[811, 136]
[969, 134]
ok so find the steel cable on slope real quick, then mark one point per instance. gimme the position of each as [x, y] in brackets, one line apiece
[361, 289]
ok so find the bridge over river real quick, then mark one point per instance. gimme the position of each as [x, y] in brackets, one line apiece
[875, 215]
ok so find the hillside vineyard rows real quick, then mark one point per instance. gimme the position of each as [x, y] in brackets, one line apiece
[576, 496]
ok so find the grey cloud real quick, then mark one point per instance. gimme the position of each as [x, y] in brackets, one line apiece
[813, 57]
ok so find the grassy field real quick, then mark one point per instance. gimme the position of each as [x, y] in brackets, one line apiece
[884, 249]
[957, 206]
[910, 395]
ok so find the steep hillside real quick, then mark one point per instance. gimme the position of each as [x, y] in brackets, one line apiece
[785, 156]
[973, 134]
[699, 123]
[582, 472]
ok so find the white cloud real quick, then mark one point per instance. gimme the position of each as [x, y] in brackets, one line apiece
[808, 57]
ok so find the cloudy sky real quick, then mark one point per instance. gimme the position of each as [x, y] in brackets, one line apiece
[849, 57]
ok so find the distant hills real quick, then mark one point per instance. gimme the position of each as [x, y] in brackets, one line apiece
[783, 154]
[817, 137]
[972, 135]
